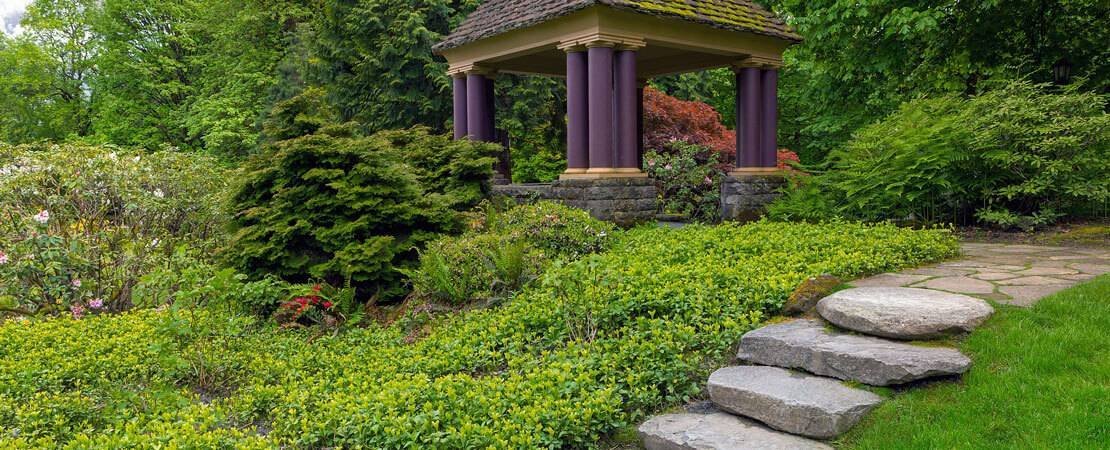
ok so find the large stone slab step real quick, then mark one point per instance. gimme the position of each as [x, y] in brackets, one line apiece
[793, 402]
[717, 431]
[808, 345]
[904, 313]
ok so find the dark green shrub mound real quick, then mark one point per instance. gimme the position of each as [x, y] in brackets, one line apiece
[1019, 156]
[341, 207]
[505, 250]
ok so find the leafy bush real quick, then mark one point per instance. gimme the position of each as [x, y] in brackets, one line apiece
[1018, 156]
[689, 180]
[343, 208]
[668, 119]
[82, 224]
[505, 250]
[597, 345]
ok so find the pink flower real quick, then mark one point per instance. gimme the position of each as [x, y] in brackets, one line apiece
[667, 167]
[651, 163]
[708, 180]
[77, 310]
[42, 217]
[76, 283]
[3, 258]
[96, 303]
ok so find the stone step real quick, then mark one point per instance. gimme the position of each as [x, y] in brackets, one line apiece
[793, 402]
[717, 431]
[808, 345]
[904, 313]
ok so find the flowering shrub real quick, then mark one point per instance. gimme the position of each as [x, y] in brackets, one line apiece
[668, 119]
[595, 346]
[689, 181]
[81, 225]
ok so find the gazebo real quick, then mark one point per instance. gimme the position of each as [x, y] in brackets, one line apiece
[607, 50]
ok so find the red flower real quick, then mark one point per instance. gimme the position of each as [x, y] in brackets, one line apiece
[317, 288]
[303, 301]
[327, 305]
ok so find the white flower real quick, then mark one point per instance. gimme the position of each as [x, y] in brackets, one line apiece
[113, 156]
[158, 193]
[42, 217]
[3, 258]
[137, 158]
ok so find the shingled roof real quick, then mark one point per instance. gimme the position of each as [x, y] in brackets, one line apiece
[495, 17]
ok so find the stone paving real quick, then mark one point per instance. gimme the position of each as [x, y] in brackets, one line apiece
[1006, 273]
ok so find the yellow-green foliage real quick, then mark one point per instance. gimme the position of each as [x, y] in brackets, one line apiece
[593, 347]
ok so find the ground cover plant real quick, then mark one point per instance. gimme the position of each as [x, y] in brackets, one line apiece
[1039, 374]
[593, 346]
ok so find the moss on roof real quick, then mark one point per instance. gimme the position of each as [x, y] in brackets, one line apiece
[494, 17]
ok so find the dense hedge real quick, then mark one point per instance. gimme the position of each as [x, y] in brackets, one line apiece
[1019, 156]
[594, 346]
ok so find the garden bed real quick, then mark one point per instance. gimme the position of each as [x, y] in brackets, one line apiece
[591, 347]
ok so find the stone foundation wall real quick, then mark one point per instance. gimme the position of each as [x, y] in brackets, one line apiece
[524, 193]
[744, 197]
[625, 201]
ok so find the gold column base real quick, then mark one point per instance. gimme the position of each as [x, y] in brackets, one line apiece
[602, 172]
[741, 171]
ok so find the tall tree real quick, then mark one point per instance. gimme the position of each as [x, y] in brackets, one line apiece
[146, 82]
[375, 57]
[45, 76]
[238, 69]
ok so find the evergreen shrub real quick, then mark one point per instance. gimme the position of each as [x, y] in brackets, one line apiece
[343, 208]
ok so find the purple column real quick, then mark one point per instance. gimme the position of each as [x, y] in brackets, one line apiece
[640, 126]
[626, 120]
[478, 112]
[459, 84]
[769, 119]
[600, 89]
[491, 111]
[747, 117]
[578, 131]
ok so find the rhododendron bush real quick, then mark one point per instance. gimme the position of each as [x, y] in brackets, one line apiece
[80, 225]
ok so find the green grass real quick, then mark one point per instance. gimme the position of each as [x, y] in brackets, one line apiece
[1041, 380]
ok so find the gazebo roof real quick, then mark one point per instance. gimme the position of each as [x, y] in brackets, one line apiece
[494, 17]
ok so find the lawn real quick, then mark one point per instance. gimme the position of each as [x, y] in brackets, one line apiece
[593, 346]
[1041, 380]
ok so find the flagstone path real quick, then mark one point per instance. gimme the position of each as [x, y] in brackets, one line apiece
[1017, 275]
[789, 391]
